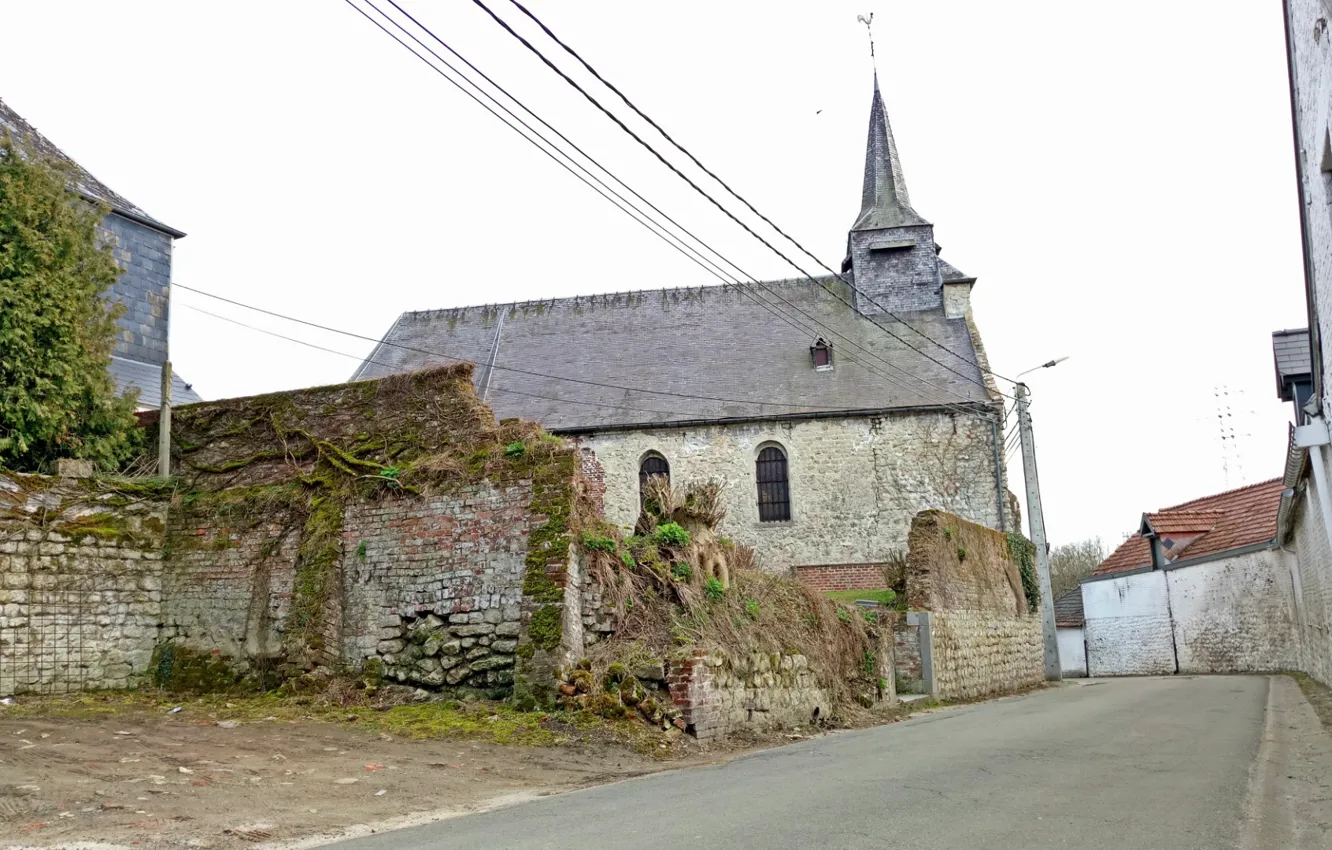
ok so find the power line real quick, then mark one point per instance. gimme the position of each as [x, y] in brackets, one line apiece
[502, 23]
[699, 260]
[360, 359]
[532, 141]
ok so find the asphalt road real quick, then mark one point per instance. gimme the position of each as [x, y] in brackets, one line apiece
[1129, 764]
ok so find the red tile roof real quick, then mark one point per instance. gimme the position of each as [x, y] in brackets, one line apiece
[1238, 518]
[1174, 522]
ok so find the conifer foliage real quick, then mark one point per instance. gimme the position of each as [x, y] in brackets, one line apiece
[57, 399]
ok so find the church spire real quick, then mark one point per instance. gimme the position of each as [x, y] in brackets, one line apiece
[884, 200]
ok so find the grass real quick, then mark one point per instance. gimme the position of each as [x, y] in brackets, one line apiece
[479, 721]
[884, 596]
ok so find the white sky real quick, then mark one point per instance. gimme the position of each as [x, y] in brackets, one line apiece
[1118, 176]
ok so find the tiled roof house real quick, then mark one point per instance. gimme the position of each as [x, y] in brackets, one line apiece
[1228, 522]
[142, 245]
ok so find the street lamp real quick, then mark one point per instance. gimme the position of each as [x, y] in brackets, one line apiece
[1045, 365]
[1036, 522]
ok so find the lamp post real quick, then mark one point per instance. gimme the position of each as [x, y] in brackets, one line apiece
[1036, 525]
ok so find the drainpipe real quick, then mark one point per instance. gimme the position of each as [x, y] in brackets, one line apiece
[1314, 437]
[998, 475]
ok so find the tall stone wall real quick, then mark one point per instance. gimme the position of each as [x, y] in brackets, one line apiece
[982, 638]
[80, 584]
[390, 521]
[855, 482]
[1127, 626]
[1312, 573]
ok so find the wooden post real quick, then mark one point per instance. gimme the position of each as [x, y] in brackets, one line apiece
[164, 425]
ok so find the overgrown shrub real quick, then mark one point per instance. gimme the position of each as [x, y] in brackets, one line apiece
[57, 331]
[672, 534]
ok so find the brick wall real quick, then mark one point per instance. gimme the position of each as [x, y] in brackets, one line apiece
[843, 576]
[1313, 570]
[906, 656]
[80, 586]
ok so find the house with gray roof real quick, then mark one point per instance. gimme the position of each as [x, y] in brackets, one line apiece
[142, 245]
[834, 407]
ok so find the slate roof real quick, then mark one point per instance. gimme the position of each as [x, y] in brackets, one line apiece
[718, 342]
[883, 200]
[27, 136]
[147, 379]
[1068, 610]
[1243, 517]
[1290, 351]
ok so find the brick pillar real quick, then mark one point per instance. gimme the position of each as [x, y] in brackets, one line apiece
[692, 691]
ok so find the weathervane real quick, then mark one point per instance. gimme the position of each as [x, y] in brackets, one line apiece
[868, 21]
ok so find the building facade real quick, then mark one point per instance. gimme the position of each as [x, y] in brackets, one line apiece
[833, 408]
[142, 246]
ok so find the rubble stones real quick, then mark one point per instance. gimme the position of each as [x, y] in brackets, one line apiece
[464, 650]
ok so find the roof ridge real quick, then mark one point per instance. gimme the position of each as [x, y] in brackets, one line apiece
[1266, 483]
[606, 296]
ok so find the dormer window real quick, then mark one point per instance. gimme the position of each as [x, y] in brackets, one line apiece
[821, 353]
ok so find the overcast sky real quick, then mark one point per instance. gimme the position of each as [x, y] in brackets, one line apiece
[1118, 176]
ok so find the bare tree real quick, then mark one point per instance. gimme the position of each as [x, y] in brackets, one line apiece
[1070, 563]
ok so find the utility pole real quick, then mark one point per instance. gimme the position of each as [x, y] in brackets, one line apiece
[1036, 524]
[164, 425]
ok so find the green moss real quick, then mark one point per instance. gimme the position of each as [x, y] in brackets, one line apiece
[179, 668]
[315, 583]
[545, 628]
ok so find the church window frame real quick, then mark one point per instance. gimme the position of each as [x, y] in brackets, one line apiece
[650, 465]
[772, 478]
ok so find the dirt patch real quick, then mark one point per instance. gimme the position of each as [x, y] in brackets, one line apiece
[122, 769]
[1318, 695]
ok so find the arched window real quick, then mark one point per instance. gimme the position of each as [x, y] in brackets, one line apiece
[774, 490]
[653, 465]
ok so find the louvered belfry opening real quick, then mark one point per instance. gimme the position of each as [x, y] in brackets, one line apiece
[774, 491]
[652, 466]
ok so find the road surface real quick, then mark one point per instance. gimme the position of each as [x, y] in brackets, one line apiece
[1126, 764]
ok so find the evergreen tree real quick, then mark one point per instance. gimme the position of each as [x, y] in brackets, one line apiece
[57, 399]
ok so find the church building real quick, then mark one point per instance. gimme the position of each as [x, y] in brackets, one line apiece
[834, 408]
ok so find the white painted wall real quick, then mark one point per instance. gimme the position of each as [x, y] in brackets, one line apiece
[1231, 615]
[1072, 653]
[1234, 615]
[1127, 623]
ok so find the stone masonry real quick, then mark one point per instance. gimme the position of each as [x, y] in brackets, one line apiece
[715, 694]
[982, 639]
[80, 586]
[855, 482]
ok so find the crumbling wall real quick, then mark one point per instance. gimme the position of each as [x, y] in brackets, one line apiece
[983, 640]
[80, 582]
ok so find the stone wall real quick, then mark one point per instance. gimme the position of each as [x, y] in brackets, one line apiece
[1312, 572]
[80, 584]
[1234, 615]
[717, 693]
[976, 637]
[978, 654]
[388, 521]
[855, 482]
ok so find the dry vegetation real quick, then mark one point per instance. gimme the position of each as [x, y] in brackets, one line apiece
[675, 586]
